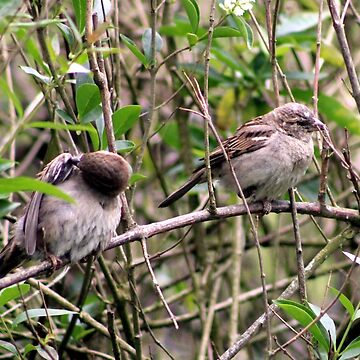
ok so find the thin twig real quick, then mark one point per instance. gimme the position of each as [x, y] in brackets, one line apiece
[112, 332]
[212, 200]
[345, 50]
[156, 284]
[299, 252]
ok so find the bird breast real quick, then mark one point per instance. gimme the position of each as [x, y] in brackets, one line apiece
[77, 229]
[267, 173]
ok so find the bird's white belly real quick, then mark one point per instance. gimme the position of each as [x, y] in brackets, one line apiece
[76, 230]
[271, 170]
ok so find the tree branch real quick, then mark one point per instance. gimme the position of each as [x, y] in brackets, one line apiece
[150, 230]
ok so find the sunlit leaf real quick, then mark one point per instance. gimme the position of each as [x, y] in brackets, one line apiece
[146, 43]
[135, 178]
[7, 206]
[87, 98]
[23, 183]
[193, 12]
[36, 74]
[298, 22]
[9, 7]
[36, 313]
[134, 49]
[13, 292]
[80, 13]
[7, 346]
[125, 118]
[352, 350]
[305, 316]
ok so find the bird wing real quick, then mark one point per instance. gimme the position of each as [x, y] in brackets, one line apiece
[248, 138]
[57, 171]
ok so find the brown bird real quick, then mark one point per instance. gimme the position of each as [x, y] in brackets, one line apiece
[269, 154]
[54, 228]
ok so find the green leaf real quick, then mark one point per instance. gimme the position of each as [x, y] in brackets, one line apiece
[146, 43]
[193, 13]
[87, 98]
[6, 164]
[65, 116]
[327, 323]
[9, 7]
[192, 39]
[12, 96]
[80, 13]
[36, 74]
[124, 146]
[301, 75]
[226, 31]
[135, 178]
[7, 206]
[298, 22]
[58, 126]
[228, 59]
[125, 118]
[8, 347]
[352, 350]
[47, 352]
[244, 28]
[345, 302]
[67, 33]
[35, 313]
[23, 183]
[332, 109]
[170, 135]
[95, 138]
[330, 54]
[28, 348]
[180, 28]
[35, 24]
[134, 49]
[93, 115]
[13, 292]
[304, 316]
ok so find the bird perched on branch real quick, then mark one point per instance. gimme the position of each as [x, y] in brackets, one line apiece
[57, 229]
[269, 155]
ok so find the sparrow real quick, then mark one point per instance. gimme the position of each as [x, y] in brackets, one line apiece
[269, 155]
[53, 228]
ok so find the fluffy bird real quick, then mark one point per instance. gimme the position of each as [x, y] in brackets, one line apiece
[269, 155]
[54, 228]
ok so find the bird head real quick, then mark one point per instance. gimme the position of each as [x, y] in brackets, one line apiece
[297, 119]
[107, 172]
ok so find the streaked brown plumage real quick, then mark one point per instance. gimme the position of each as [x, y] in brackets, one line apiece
[269, 154]
[53, 227]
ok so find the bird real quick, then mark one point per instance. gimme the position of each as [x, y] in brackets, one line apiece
[269, 154]
[55, 229]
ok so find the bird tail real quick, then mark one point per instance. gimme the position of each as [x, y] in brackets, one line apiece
[11, 256]
[177, 194]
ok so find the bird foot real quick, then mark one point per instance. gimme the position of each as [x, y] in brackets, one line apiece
[266, 207]
[55, 261]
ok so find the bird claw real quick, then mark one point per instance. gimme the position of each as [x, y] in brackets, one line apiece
[55, 261]
[266, 207]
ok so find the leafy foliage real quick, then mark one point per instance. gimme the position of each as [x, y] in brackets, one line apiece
[52, 100]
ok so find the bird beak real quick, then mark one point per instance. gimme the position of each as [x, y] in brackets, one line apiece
[319, 125]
